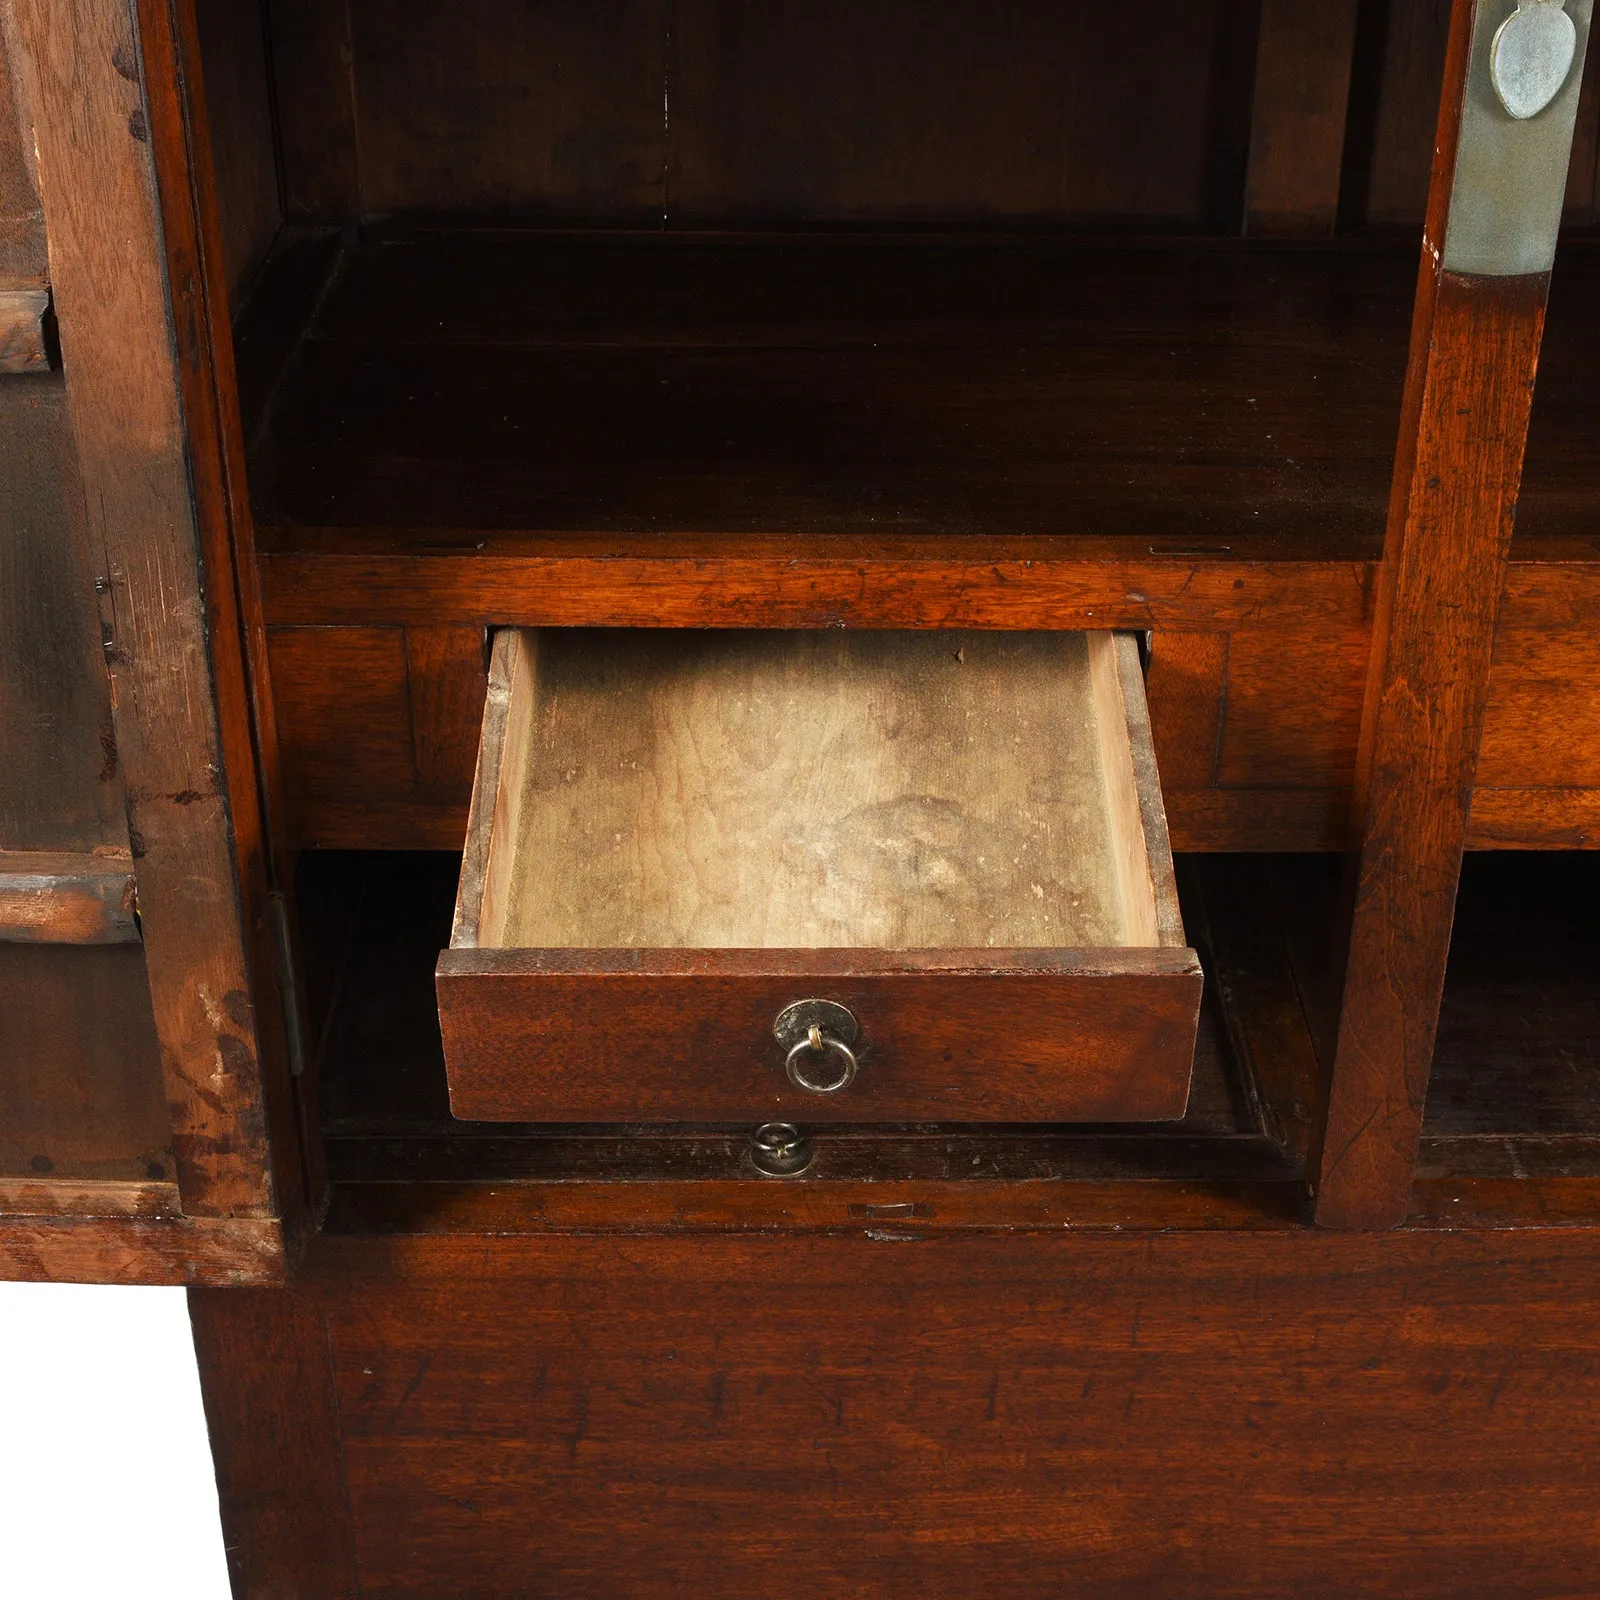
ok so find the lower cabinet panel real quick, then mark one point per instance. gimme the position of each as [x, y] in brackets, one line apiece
[81, 1095]
[1412, 1415]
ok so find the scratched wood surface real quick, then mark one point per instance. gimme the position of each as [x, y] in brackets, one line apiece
[67, 898]
[23, 251]
[80, 1067]
[1475, 348]
[80, 67]
[789, 790]
[655, 384]
[1024, 1415]
[1297, 125]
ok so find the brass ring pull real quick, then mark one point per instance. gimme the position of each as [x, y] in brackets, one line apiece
[816, 1042]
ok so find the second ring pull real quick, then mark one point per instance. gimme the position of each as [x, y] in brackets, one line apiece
[818, 1035]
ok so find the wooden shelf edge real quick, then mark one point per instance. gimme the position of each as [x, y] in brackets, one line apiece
[67, 898]
[926, 1209]
[1534, 819]
[753, 1205]
[1498, 1204]
[820, 582]
[183, 1251]
[87, 1197]
[322, 577]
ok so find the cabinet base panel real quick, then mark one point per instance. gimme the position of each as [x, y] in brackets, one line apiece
[1414, 1414]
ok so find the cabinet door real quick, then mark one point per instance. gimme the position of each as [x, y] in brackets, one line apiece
[142, 1079]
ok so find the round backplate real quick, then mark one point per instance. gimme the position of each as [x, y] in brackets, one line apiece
[796, 1022]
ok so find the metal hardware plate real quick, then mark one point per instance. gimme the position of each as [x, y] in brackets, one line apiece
[1511, 171]
[795, 1022]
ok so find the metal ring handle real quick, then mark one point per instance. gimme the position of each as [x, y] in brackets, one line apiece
[817, 1042]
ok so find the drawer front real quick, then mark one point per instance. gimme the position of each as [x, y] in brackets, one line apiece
[562, 1036]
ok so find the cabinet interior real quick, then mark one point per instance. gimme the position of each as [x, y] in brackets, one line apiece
[672, 313]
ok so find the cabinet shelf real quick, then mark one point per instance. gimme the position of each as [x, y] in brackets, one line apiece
[655, 384]
[768, 409]
[900, 430]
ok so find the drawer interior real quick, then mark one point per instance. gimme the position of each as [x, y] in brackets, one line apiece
[786, 790]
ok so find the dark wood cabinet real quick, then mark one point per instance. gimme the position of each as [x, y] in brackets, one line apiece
[535, 538]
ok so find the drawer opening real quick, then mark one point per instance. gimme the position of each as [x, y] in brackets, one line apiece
[957, 836]
[397, 1156]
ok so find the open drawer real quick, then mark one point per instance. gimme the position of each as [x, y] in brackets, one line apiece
[732, 876]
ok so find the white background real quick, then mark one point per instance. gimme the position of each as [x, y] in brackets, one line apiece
[106, 1487]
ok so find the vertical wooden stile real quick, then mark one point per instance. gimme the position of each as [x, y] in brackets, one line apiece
[101, 85]
[1297, 123]
[1493, 207]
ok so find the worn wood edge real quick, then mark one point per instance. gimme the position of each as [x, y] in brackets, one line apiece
[66, 898]
[24, 347]
[86, 1197]
[1147, 787]
[1534, 819]
[189, 238]
[198, 1251]
[767, 1205]
[476, 912]
[1270, 212]
[505, 830]
[470, 886]
[100, 80]
[1481, 1204]
[1130, 859]
[654, 963]
[795, 581]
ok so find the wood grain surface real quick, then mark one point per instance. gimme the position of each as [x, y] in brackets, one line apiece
[976, 1035]
[24, 345]
[312, 58]
[386, 1104]
[23, 251]
[66, 898]
[1242, 1416]
[242, 140]
[1475, 347]
[61, 785]
[793, 790]
[87, 1197]
[182, 732]
[295, 1541]
[1297, 125]
[80, 1066]
[1291, 610]
[672, 831]
[839, 384]
[1276, 703]
[675, 113]
[142, 1250]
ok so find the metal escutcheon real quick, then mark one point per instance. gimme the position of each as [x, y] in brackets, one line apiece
[817, 1036]
[780, 1150]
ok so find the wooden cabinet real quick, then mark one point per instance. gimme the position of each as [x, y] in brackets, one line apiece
[538, 538]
